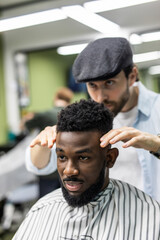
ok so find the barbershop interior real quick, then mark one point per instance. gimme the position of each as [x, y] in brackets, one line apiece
[39, 41]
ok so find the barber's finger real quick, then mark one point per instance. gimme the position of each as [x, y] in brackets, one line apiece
[122, 134]
[34, 142]
[43, 139]
[125, 135]
[50, 135]
[129, 143]
[50, 142]
[54, 130]
[108, 137]
[142, 141]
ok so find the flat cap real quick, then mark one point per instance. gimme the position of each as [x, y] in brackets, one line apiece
[102, 59]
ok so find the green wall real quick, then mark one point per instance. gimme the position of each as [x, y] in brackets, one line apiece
[151, 82]
[47, 72]
[3, 122]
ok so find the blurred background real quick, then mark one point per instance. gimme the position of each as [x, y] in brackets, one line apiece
[39, 40]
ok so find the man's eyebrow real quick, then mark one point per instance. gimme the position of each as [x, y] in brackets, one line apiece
[86, 150]
[59, 150]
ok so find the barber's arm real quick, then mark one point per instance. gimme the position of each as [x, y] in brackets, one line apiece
[41, 157]
[132, 137]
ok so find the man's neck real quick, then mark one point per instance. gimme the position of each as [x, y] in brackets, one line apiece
[133, 99]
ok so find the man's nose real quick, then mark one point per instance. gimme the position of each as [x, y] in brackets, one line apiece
[71, 169]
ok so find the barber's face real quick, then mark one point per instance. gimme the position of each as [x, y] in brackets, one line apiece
[114, 92]
[82, 165]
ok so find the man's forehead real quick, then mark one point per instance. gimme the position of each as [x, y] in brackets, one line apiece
[78, 134]
[82, 138]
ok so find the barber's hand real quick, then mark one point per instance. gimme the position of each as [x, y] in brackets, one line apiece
[131, 137]
[47, 137]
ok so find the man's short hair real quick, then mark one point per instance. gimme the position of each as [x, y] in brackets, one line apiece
[85, 115]
[102, 59]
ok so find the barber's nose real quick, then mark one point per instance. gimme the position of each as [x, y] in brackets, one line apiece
[71, 169]
[101, 96]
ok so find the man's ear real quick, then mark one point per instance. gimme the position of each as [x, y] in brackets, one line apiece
[111, 156]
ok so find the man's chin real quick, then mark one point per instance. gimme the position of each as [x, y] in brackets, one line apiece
[72, 198]
[88, 195]
[73, 194]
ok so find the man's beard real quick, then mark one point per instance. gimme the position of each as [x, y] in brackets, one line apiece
[117, 106]
[88, 195]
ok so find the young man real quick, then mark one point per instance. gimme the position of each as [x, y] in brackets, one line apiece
[89, 205]
[107, 67]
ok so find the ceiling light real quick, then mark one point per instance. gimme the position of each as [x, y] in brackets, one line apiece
[72, 49]
[149, 37]
[135, 39]
[91, 20]
[145, 37]
[103, 5]
[31, 19]
[144, 57]
[154, 70]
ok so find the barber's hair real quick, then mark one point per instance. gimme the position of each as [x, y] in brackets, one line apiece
[85, 115]
[128, 70]
[65, 94]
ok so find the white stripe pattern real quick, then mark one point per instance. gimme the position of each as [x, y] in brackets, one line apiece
[120, 212]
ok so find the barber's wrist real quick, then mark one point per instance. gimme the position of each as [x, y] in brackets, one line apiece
[156, 152]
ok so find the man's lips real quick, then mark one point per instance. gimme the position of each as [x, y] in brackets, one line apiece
[73, 186]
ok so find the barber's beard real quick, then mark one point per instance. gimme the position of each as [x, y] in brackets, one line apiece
[88, 195]
[117, 106]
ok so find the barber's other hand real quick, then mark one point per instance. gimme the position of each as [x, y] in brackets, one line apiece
[131, 137]
[47, 137]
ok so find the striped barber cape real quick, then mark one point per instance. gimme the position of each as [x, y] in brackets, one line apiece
[119, 212]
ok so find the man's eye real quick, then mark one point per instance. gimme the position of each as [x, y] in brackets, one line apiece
[83, 158]
[61, 158]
